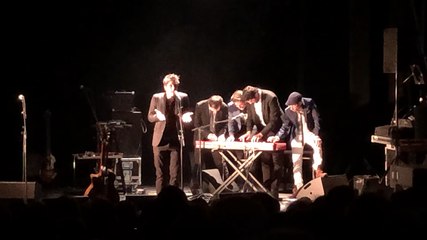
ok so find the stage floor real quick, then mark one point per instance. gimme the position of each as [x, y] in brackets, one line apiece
[144, 191]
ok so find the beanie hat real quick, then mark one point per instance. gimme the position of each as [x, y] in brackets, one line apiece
[294, 98]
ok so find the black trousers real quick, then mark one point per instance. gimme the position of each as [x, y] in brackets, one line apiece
[167, 165]
[271, 164]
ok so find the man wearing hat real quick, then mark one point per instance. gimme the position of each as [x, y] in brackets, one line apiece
[301, 126]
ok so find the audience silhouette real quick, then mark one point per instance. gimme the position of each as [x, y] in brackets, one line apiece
[340, 213]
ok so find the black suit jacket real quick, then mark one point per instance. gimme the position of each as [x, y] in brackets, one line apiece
[290, 120]
[158, 101]
[202, 118]
[271, 112]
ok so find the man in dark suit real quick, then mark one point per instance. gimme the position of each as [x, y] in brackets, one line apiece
[236, 127]
[301, 126]
[210, 120]
[237, 116]
[168, 110]
[264, 113]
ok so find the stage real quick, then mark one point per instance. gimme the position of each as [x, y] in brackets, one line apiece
[36, 192]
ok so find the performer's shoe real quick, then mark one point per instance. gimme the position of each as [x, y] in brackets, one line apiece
[195, 189]
[233, 187]
[275, 194]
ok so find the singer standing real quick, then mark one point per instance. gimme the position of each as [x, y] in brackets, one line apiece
[167, 110]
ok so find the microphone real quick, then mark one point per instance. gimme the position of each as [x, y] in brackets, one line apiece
[22, 99]
[240, 115]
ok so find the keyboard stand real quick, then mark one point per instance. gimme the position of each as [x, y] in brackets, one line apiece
[242, 169]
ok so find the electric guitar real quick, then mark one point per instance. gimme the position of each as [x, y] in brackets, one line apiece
[102, 181]
[48, 172]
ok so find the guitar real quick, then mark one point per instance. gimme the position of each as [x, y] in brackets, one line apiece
[48, 172]
[102, 181]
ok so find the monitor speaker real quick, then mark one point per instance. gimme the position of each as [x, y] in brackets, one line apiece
[211, 180]
[321, 186]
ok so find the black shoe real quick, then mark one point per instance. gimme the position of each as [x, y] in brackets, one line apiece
[195, 189]
[275, 194]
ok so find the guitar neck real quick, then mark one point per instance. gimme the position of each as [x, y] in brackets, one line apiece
[48, 133]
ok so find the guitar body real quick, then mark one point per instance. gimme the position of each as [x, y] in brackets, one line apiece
[103, 187]
[102, 182]
[48, 172]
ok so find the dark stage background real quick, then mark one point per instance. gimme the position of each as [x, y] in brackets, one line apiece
[60, 54]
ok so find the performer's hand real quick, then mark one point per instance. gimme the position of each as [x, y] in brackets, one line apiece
[230, 138]
[186, 117]
[212, 137]
[221, 138]
[318, 141]
[245, 137]
[273, 139]
[160, 115]
[256, 137]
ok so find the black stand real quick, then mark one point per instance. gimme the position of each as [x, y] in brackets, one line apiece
[24, 146]
[394, 130]
[181, 143]
[203, 195]
[118, 166]
[104, 130]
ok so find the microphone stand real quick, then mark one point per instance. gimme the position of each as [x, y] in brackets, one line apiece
[24, 147]
[199, 149]
[181, 142]
[394, 132]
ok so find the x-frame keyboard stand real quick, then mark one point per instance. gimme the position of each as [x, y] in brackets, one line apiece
[242, 169]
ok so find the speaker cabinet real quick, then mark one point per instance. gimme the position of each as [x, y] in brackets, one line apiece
[17, 190]
[211, 180]
[321, 186]
[390, 50]
[122, 101]
[127, 139]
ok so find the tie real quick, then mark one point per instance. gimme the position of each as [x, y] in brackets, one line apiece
[212, 122]
[301, 126]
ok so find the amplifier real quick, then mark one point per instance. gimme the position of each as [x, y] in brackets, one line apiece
[131, 172]
[405, 130]
[128, 140]
[17, 190]
[122, 101]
